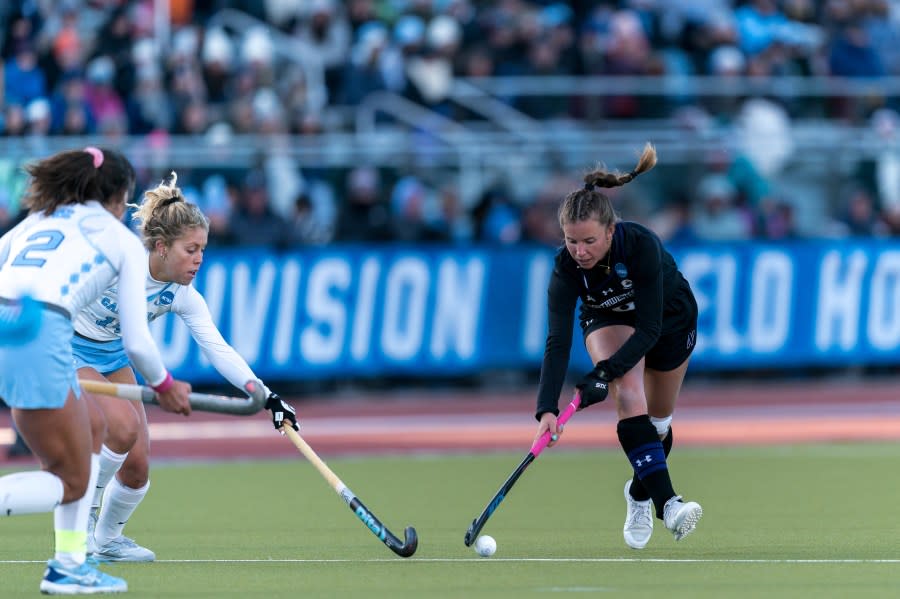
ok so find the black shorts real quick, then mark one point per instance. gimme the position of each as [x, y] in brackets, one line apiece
[668, 353]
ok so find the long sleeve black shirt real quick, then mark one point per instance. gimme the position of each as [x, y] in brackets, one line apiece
[642, 288]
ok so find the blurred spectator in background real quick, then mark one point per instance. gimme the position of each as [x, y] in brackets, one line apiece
[117, 41]
[327, 33]
[23, 79]
[775, 219]
[453, 223]
[884, 34]
[150, 107]
[627, 52]
[852, 53]
[105, 103]
[314, 217]
[539, 219]
[217, 65]
[253, 222]
[497, 218]
[674, 223]
[14, 120]
[303, 228]
[410, 200]
[760, 25]
[71, 113]
[363, 75]
[885, 124]
[716, 216]
[38, 117]
[365, 215]
[430, 73]
[727, 63]
[860, 217]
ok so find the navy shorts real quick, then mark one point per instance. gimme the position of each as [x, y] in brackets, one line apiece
[668, 353]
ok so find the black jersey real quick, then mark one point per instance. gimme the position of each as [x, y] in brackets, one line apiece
[637, 284]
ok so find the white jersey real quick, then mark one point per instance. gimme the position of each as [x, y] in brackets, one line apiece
[69, 258]
[100, 322]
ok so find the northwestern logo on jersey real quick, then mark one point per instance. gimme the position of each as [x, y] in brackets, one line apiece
[615, 300]
[621, 270]
[165, 298]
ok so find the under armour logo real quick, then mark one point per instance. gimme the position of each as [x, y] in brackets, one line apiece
[642, 461]
[607, 292]
[590, 298]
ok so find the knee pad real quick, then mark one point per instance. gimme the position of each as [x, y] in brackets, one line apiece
[662, 424]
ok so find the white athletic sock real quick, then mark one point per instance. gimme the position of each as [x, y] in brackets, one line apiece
[119, 502]
[110, 462]
[29, 493]
[71, 520]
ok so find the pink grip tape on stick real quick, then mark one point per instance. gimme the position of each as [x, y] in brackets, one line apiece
[544, 439]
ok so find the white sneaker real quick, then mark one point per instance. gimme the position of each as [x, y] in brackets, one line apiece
[681, 518]
[638, 520]
[123, 549]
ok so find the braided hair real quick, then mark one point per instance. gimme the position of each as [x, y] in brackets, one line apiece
[589, 202]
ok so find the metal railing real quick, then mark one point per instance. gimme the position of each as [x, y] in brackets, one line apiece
[676, 85]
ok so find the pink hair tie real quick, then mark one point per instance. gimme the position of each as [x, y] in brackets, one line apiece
[97, 154]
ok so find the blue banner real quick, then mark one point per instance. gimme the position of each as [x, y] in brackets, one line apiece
[348, 311]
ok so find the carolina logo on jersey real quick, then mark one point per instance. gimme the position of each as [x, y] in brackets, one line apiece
[621, 270]
[165, 298]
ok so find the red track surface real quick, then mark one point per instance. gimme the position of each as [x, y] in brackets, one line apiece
[428, 421]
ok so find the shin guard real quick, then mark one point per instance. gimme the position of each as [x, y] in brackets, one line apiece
[645, 451]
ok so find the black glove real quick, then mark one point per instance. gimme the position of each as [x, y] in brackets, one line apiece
[281, 411]
[594, 387]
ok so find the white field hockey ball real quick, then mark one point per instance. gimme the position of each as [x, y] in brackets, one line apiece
[485, 546]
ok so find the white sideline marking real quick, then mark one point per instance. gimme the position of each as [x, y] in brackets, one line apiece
[481, 560]
[578, 590]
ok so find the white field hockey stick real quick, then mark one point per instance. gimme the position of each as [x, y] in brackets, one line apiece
[404, 548]
[222, 404]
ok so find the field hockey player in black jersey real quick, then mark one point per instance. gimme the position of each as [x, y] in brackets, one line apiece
[639, 320]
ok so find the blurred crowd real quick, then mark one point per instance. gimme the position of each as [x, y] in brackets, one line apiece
[109, 68]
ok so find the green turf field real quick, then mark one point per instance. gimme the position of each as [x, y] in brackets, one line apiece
[810, 521]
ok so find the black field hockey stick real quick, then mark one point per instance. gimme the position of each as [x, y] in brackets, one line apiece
[536, 448]
[403, 548]
[221, 404]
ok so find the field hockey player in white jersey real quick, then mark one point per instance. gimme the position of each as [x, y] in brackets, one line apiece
[70, 248]
[174, 233]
